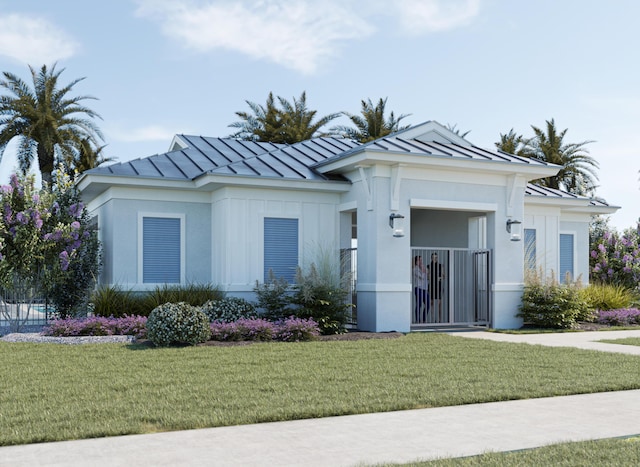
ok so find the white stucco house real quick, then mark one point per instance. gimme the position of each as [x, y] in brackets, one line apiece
[225, 211]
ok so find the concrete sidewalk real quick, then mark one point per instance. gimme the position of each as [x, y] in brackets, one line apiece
[358, 439]
[372, 438]
[581, 340]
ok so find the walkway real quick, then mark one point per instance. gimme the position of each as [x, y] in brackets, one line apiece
[371, 438]
[581, 340]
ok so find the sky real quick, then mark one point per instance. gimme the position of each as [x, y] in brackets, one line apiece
[163, 67]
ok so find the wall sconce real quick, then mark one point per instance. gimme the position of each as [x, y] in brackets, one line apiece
[396, 223]
[515, 229]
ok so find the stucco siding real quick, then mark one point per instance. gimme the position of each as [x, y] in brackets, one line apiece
[121, 239]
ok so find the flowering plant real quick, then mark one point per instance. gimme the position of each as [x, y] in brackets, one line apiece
[98, 326]
[615, 258]
[620, 317]
[291, 329]
[44, 241]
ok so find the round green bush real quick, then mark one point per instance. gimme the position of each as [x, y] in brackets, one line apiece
[228, 310]
[552, 305]
[177, 323]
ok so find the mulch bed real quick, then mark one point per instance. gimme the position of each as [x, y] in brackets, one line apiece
[348, 336]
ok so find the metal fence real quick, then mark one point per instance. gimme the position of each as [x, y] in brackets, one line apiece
[455, 287]
[18, 316]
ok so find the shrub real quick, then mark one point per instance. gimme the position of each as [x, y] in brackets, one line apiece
[228, 309]
[194, 294]
[98, 326]
[294, 329]
[177, 323]
[607, 296]
[620, 317]
[254, 329]
[71, 287]
[615, 258]
[288, 330]
[274, 298]
[111, 300]
[552, 305]
[322, 298]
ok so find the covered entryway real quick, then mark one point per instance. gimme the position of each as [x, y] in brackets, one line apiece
[450, 287]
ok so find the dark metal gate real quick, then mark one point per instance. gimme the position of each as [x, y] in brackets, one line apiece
[451, 287]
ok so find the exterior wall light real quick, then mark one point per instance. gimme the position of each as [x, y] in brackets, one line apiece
[397, 224]
[515, 229]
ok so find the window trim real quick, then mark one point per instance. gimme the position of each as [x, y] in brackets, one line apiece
[164, 215]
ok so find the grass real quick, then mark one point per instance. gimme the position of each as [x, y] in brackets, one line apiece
[54, 392]
[625, 341]
[619, 451]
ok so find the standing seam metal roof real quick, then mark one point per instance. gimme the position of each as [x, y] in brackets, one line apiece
[230, 156]
[235, 157]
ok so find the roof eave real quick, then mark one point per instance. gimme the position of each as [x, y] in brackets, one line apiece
[213, 182]
[582, 205]
[373, 156]
[92, 185]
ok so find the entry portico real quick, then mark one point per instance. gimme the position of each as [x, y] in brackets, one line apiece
[452, 195]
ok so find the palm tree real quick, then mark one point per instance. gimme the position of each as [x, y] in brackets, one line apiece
[298, 122]
[372, 124]
[456, 130]
[291, 123]
[45, 120]
[261, 125]
[578, 172]
[513, 143]
[88, 157]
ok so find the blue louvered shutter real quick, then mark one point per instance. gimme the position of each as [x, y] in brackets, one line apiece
[566, 256]
[530, 248]
[160, 250]
[280, 247]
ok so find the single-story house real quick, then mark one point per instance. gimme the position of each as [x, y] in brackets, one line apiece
[226, 211]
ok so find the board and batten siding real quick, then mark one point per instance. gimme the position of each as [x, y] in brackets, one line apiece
[238, 250]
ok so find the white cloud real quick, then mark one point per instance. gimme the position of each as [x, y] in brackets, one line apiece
[298, 34]
[141, 134]
[423, 16]
[34, 41]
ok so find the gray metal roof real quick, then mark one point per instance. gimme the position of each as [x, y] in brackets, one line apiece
[234, 157]
[545, 192]
[395, 143]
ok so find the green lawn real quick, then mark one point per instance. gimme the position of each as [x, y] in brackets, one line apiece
[619, 452]
[55, 392]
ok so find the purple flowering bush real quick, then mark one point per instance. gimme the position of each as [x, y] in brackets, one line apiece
[46, 244]
[257, 329]
[98, 326]
[620, 317]
[294, 329]
[615, 258]
[244, 329]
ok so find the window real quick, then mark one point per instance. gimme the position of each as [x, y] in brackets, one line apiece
[280, 247]
[161, 250]
[530, 249]
[566, 256]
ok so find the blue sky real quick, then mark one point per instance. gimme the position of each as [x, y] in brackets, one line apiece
[186, 66]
